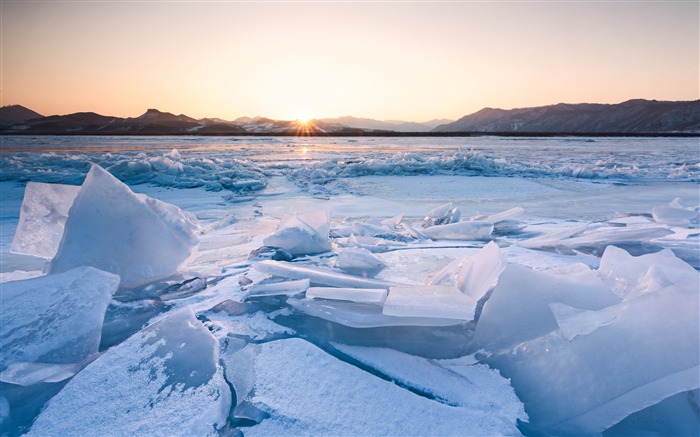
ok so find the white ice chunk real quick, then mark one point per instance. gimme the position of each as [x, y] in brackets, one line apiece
[360, 295]
[475, 230]
[473, 275]
[19, 275]
[317, 276]
[286, 288]
[24, 373]
[306, 392]
[361, 315]
[442, 215]
[302, 234]
[164, 380]
[574, 322]
[438, 301]
[650, 351]
[42, 218]
[628, 276]
[505, 215]
[359, 261]
[55, 319]
[518, 308]
[139, 238]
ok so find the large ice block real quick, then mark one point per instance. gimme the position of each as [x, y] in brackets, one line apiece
[360, 295]
[302, 234]
[139, 238]
[518, 309]
[55, 319]
[318, 276]
[42, 218]
[476, 230]
[164, 380]
[473, 275]
[647, 350]
[442, 215]
[676, 214]
[439, 301]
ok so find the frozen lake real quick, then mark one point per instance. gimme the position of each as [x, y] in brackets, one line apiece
[580, 318]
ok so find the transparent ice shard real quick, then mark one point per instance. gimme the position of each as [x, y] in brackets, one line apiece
[302, 234]
[26, 373]
[474, 230]
[317, 276]
[139, 238]
[285, 288]
[359, 261]
[42, 218]
[436, 301]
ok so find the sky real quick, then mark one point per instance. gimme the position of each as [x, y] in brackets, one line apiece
[412, 61]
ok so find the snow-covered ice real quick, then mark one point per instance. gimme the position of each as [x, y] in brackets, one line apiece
[553, 289]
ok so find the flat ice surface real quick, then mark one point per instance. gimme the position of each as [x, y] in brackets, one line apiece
[54, 319]
[164, 380]
[558, 204]
[305, 391]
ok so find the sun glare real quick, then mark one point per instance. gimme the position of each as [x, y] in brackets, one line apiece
[304, 116]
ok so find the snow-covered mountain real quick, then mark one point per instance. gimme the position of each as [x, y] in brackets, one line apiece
[390, 125]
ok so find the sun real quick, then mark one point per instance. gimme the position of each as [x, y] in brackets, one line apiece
[303, 116]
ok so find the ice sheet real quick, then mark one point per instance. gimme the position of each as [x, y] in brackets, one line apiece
[359, 295]
[437, 301]
[317, 276]
[476, 230]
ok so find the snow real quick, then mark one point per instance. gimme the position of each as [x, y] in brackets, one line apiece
[42, 218]
[54, 319]
[304, 391]
[136, 237]
[164, 380]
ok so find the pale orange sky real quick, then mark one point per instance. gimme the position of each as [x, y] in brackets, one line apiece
[386, 60]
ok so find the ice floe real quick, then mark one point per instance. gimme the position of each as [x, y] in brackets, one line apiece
[302, 234]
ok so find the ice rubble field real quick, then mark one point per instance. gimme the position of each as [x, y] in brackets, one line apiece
[349, 287]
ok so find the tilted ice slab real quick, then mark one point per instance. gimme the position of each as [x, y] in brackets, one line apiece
[164, 380]
[139, 238]
[518, 309]
[475, 230]
[474, 275]
[318, 276]
[357, 260]
[359, 295]
[286, 288]
[53, 319]
[361, 315]
[629, 276]
[442, 215]
[306, 392]
[302, 234]
[676, 214]
[42, 218]
[436, 301]
[643, 350]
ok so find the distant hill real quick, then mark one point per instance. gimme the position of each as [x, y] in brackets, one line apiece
[15, 114]
[389, 125]
[633, 116]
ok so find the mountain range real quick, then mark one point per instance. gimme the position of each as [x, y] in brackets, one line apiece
[637, 117]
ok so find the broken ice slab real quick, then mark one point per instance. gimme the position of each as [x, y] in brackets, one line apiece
[42, 218]
[26, 374]
[163, 380]
[474, 275]
[361, 315]
[676, 215]
[286, 288]
[302, 234]
[184, 289]
[628, 275]
[647, 353]
[476, 230]
[359, 261]
[573, 322]
[317, 276]
[518, 309]
[504, 215]
[55, 319]
[442, 215]
[360, 295]
[437, 301]
[310, 392]
[139, 238]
